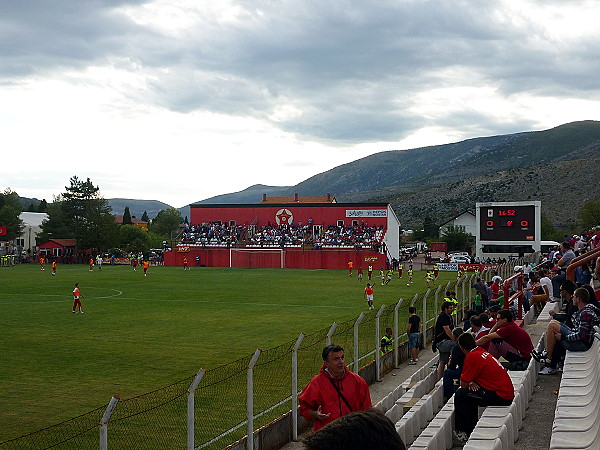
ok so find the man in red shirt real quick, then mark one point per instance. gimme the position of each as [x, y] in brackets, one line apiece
[507, 339]
[483, 382]
[369, 296]
[495, 287]
[77, 299]
[335, 392]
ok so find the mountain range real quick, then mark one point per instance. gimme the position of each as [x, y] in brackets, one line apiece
[559, 166]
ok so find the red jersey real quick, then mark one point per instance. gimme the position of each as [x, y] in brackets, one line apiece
[76, 293]
[485, 370]
[369, 291]
[495, 287]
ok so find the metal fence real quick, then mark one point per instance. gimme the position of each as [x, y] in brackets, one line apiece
[214, 408]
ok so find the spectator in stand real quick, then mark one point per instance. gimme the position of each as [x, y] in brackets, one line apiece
[567, 256]
[414, 335]
[481, 289]
[334, 392]
[567, 289]
[483, 382]
[495, 288]
[478, 329]
[579, 338]
[455, 364]
[357, 431]
[583, 274]
[507, 339]
[443, 338]
[543, 291]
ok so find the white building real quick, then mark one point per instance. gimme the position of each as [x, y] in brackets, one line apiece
[26, 242]
[465, 222]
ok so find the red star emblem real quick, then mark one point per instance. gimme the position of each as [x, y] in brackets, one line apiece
[283, 216]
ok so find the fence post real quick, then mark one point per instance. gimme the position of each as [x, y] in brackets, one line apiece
[377, 344]
[331, 331]
[414, 300]
[104, 421]
[295, 387]
[190, 408]
[424, 321]
[250, 400]
[437, 303]
[396, 332]
[356, 325]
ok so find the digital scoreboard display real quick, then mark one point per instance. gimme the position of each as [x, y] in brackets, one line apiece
[507, 223]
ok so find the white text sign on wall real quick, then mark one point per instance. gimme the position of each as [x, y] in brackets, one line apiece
[366, 213]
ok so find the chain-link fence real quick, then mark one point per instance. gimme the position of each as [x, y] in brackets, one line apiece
[218, 412]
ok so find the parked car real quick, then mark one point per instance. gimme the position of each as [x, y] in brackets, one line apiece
[460, 259]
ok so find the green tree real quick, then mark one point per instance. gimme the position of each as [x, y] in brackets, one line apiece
[167, 222]
[56, 226]
[589, 214]
[81, 213]
[133, 239]
[43, 206]
[31, 207]
[548, 231]
[456, 238]
[10, 208]
[430, 229]
[145, 217]
[127, 216]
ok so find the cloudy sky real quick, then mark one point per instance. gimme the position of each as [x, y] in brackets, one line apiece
[180, 100]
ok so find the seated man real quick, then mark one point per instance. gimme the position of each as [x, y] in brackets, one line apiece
[507, 339]
[478, 329]
[455, 364]
[544, 289]
[576, 339]
[483, 382]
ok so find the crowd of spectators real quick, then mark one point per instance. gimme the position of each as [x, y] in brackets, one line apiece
[282, 235]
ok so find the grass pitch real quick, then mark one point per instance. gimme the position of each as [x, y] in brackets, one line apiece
[140, 333]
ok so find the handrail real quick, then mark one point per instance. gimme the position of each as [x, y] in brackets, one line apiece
[519, 294]
[580, 261]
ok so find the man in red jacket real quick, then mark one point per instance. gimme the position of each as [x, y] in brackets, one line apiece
[335, 392]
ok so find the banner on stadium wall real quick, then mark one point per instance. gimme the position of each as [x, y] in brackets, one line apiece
[453, 267]
[448, 267]
[3, 230]
[183, 249]
[366, 213]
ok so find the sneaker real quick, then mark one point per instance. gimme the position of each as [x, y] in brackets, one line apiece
[459, 438]
[412, 363]
[74, 312]
[548, 371]
[540, 357]
[81, 312]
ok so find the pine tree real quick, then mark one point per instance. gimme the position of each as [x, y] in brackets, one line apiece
[127, 216]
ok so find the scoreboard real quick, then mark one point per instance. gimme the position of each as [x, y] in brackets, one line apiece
[508, 228]
[507, 223]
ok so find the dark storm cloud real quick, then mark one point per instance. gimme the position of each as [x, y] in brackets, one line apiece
[38, 36]
[350, 70]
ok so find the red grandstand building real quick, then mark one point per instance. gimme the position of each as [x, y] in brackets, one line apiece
[290, 234]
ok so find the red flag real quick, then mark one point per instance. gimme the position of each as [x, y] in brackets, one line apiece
[3, 230]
